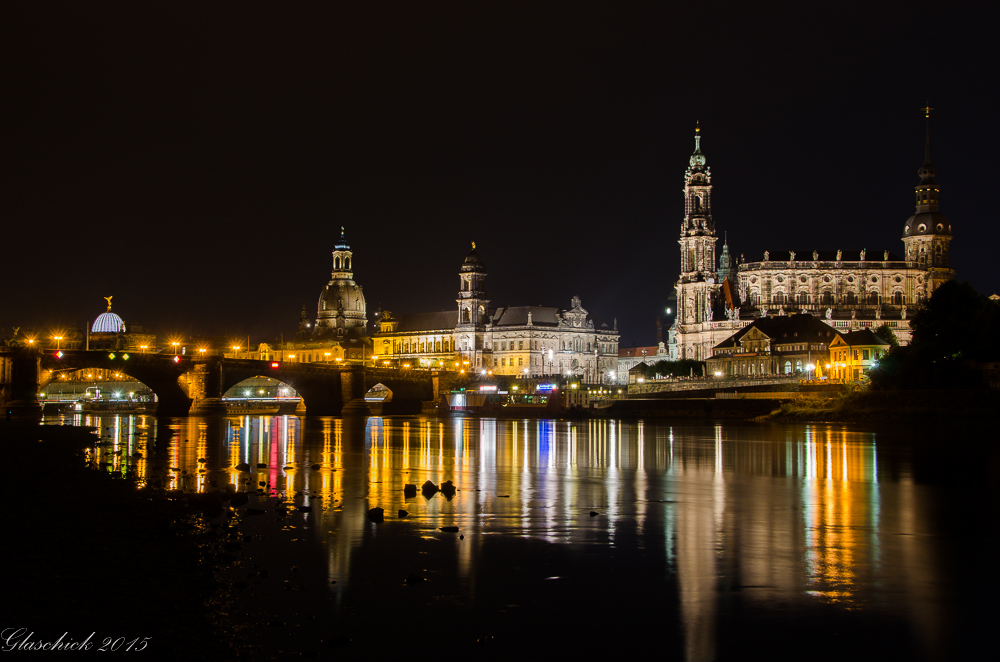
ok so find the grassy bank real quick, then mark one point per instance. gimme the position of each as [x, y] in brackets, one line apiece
[893, 406]
[87, 552]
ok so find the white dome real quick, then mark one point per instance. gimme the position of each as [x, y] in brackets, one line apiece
[108, 323]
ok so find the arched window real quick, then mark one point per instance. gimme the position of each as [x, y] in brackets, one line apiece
[788, 367]
[828, 298]
[803, 297]
[897, 298]
[347, 263]
[851, 298]
[779, 298]
[466, 315]
[873, 298]
[336, 262]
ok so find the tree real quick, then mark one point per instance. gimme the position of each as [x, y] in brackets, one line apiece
[956, 329]
[886, 333]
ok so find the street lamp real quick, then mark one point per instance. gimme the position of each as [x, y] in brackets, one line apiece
[58, 339]
[175, 344]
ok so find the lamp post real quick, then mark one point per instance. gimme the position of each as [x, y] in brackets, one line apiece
[58, 339]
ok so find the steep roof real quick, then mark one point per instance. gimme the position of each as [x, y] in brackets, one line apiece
[439, 321]
[863, 337]
[518, 316]
[793, 328]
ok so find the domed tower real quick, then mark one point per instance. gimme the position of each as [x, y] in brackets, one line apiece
[341, 311]
[927, 234]
[473, 306]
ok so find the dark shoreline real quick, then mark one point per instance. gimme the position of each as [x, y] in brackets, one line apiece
[92, 554]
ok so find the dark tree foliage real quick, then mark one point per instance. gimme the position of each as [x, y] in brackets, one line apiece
[956, 330]
[886, 333]
[682, 368]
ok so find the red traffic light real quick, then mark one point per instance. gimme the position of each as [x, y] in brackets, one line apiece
[58, 355]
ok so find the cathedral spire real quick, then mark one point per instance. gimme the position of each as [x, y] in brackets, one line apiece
[927, 190]
[697, 161]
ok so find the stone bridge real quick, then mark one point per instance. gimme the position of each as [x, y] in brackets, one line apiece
[186, 385]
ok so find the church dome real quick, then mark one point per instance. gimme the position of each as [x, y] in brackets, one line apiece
[927, 222]
[108, 323]
[342, 293]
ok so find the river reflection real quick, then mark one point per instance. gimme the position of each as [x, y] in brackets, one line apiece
[730, 522]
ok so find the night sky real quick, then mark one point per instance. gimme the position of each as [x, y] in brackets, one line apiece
[196, 160]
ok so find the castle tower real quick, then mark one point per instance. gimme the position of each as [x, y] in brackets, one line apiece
[927, 234]
[341, 310]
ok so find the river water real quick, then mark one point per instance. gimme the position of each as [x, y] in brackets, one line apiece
[706, 540]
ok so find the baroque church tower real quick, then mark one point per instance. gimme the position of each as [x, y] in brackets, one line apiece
[473, 306]
[341, 311]
[697, 286]
[927, 234]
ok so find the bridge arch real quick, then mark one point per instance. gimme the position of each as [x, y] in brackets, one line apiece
[168, 379]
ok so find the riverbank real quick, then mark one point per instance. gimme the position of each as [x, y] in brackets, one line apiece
[93, 554]
[892, 407]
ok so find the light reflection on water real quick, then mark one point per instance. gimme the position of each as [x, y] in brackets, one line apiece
[788, 515]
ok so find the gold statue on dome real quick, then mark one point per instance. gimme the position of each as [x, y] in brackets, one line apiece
[473, 245]
[108, 299]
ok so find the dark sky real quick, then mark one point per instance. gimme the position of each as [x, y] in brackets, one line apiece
[196, 160]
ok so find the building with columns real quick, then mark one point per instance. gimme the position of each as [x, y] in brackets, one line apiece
[522, 341]
[850, 289]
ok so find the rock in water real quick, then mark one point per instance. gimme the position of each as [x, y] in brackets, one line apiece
[402, 513]
[409, 491]
[429, 489]
[448, 489]
[376, 514]
[449, 529]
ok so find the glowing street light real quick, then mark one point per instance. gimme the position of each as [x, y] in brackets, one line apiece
[175, 344]
[58, 340]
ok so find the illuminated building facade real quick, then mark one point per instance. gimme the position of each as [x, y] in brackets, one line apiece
[781, 345]
[523, 341]
[854, 354]
[851, 289]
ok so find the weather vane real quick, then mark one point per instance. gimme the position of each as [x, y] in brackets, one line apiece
[108, 299]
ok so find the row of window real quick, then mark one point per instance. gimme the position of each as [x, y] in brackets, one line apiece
[405, 347]
[828, 298]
